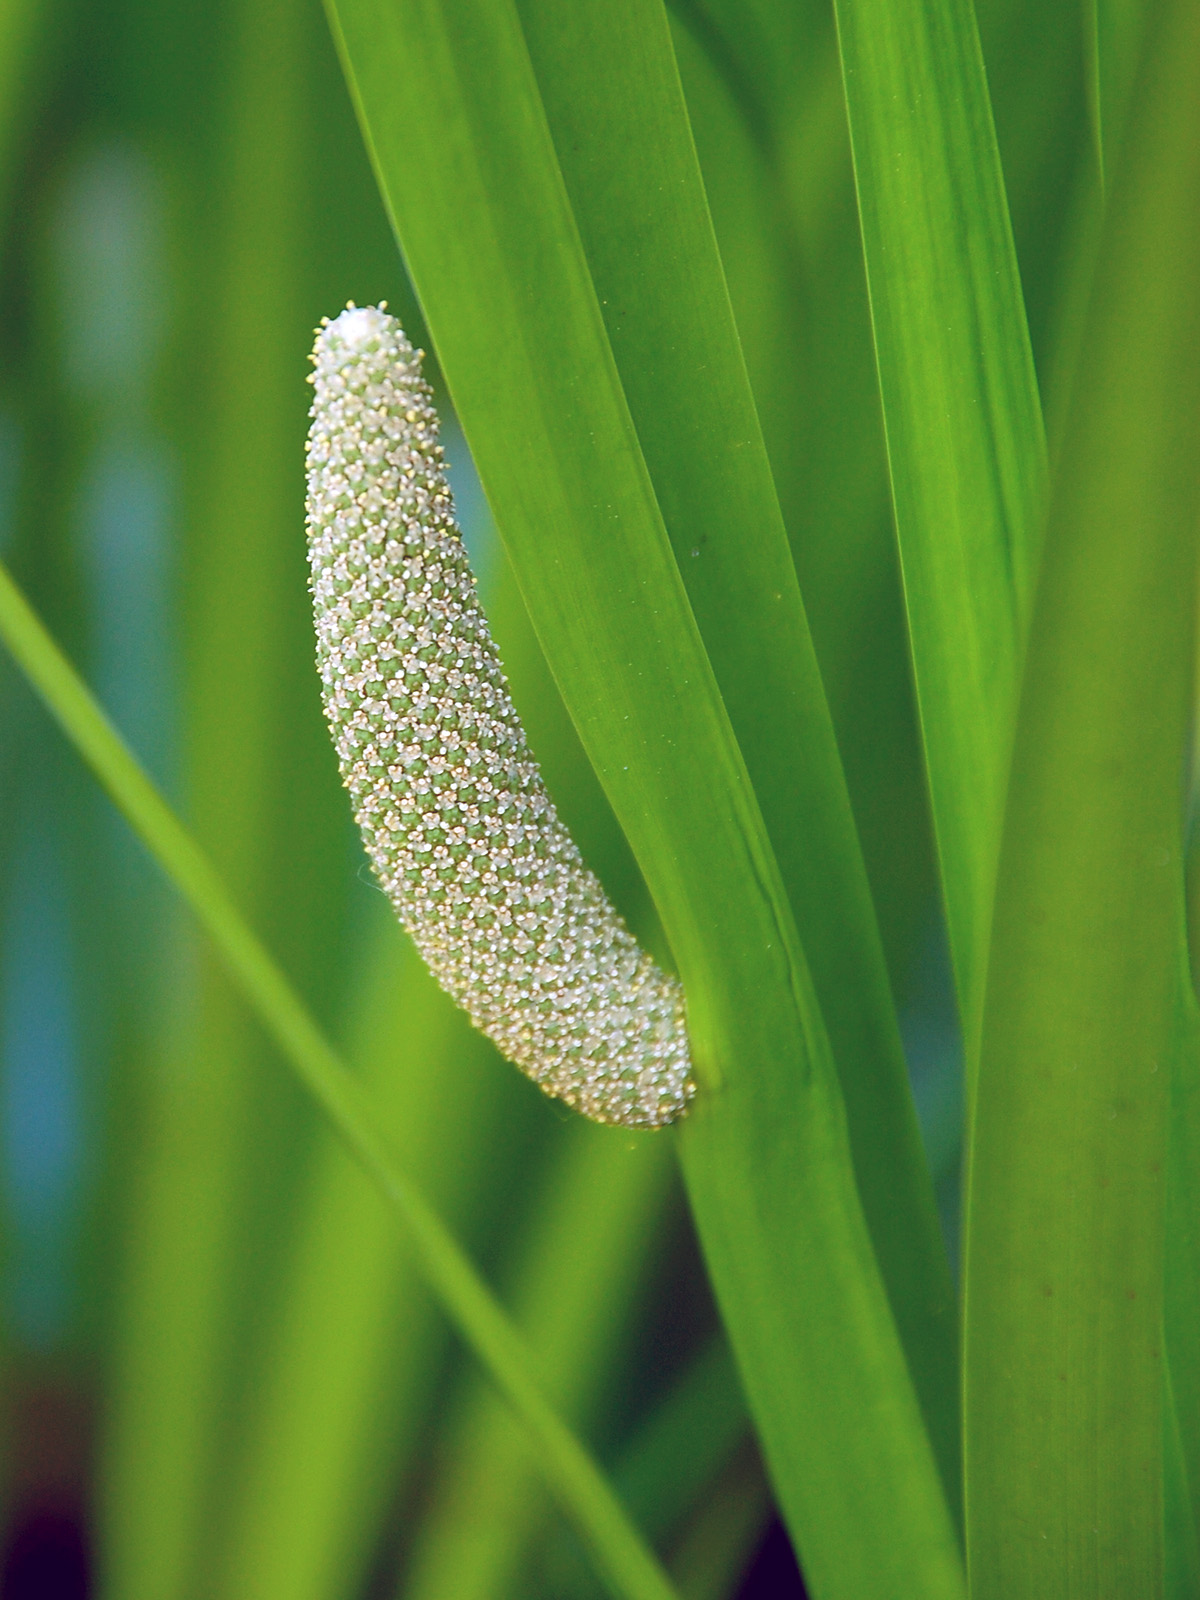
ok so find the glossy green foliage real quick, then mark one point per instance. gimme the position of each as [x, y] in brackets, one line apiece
[639, 684]
[745, 311]
[657, 275]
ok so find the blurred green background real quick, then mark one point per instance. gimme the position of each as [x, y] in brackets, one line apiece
[222, 1376]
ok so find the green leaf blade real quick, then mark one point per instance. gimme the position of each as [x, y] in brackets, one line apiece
[961, 414]
[1181, 1307]
[345, 1382]
[591, 1231]
[1065, 1257]
[454, 121]
[626, 1563]
[616, 114]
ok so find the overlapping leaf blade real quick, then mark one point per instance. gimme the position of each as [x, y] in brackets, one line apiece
[961, 415]
[615, 112]
[455, 123]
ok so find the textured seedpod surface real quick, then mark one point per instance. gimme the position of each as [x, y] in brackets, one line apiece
[452, 807]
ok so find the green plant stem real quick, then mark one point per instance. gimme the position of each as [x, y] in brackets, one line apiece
[572, 1476]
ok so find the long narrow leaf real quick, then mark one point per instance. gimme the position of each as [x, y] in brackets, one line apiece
[455, 124]
[792, 252]
[1181, 1310]
[592, 1230]
[616, 114]
[1064, 1370]
[345, 1384]
[961, 414]
[574, 1479]
[347, 1381]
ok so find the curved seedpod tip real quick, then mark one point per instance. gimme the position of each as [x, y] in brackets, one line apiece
[453, 811]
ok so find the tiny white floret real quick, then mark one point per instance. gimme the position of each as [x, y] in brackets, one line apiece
[358, 325]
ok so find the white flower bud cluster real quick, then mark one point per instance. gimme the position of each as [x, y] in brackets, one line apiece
[451, 804]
